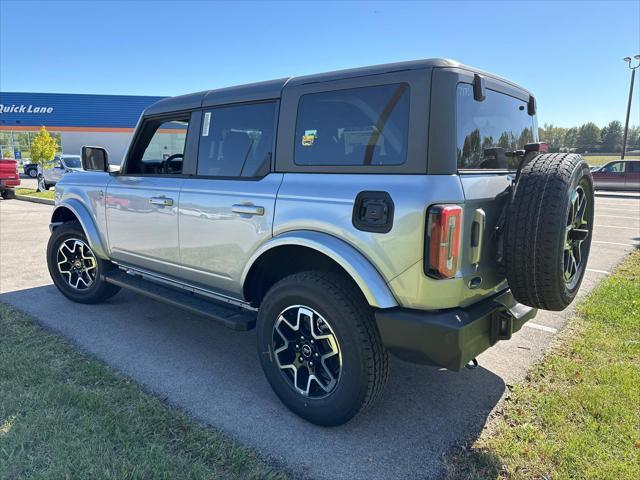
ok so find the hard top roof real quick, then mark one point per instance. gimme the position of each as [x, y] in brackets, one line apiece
[272, 89]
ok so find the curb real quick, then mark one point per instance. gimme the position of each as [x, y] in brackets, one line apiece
[26, 198]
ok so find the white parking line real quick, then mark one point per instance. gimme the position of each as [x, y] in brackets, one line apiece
[544, 328]
[604, 272]
[617, 226]
[616, 216]
[616, 243]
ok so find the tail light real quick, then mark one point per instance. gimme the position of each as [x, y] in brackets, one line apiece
[443, 240]
[536, 147]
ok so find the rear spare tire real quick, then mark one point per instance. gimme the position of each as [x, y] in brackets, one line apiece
[548, 230]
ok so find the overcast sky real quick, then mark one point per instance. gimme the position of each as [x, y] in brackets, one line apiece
[568, 53]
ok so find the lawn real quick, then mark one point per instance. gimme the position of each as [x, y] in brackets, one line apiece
[577, 415]
[596, 160]
[50, 194]
[66, 415]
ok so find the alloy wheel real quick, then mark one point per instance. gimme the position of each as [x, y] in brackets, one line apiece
[307, 351]
[77, 264]
[576, 232]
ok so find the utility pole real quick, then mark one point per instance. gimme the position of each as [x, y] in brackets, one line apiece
[626, 123]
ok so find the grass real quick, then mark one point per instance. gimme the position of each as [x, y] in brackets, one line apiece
[50, 194]
[66, 415]
[597, 160]
[577, 414]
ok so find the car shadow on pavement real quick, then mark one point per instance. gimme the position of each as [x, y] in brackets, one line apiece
[214, 374]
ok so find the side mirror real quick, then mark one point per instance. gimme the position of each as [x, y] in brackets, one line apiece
[95, 158]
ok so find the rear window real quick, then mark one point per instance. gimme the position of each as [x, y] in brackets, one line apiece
[487, 130]
[358, 126]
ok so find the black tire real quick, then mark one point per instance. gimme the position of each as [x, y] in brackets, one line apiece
[32, 172]
[363, 362]
[535, 233]
[8, 194]
[98, 291]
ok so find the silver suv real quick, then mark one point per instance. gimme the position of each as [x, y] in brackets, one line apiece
[62, 164]
[404, 208]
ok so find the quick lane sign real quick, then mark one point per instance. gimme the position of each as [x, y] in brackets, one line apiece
[24, 109]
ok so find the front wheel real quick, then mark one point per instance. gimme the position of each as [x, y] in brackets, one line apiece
[75, 269]
[320, 348]
[33, 172]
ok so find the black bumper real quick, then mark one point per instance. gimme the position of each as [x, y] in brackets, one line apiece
[451, 338]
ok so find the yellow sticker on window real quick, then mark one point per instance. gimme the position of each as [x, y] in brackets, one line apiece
[309, 137]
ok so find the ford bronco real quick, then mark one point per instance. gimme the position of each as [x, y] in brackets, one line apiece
[405, 208]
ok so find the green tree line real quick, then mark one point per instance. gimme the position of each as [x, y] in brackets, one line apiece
[589, 137]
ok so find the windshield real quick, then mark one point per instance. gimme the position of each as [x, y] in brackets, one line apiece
[487, 130]
[72, 162]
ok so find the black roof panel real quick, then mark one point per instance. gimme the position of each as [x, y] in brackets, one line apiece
[273, 88]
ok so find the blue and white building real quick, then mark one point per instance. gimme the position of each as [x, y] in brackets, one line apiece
[75, 119]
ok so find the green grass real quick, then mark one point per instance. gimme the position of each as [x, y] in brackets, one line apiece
[66, 415]
[577, 415]
[50, 194]
[597, 160]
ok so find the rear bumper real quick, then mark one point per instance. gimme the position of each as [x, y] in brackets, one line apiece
[451, 338]
[9, 183]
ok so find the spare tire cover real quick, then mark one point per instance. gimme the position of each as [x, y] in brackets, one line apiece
[548, 230]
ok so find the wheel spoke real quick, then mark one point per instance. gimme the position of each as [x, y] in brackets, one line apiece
[307, 351]
[77, 264]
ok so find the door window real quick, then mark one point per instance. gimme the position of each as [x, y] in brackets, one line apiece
[356, 126]
[237, 141]
[159, 149]
[633, 167]
[614, 167]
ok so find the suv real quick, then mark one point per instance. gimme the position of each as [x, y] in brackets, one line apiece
[62, 164]
[403, 208]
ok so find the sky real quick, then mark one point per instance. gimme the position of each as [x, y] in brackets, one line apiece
[569, 54]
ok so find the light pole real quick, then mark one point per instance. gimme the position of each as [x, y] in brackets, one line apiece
[626, 123]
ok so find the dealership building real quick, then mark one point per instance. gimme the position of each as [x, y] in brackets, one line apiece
[75, 120]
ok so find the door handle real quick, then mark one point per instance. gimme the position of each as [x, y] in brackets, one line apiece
[163, 201]
[247, 209]
[477, 233]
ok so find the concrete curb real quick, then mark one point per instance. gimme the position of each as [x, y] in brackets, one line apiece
[26, 198]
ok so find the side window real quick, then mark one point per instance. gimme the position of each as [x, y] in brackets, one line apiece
[487, 130]
[633, 167]
[614, 167]
[159, 149]
[357, 126]
[237, 140]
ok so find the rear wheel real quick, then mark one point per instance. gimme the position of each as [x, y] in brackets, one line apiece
[8, 193]
[320, 348]
[548, 230]
[75, 269]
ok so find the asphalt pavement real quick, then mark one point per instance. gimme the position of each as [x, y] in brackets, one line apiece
[214, 374]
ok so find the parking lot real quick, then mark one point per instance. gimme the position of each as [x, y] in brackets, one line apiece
[214, 373]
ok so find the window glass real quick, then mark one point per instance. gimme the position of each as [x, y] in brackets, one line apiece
[358, 126]
[72, 162]
[487, 130]
[615, 167]
[633, 167]
[237, 141]
[162, 144]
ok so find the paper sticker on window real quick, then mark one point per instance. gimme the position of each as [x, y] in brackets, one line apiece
[205, 124]
[309, 137]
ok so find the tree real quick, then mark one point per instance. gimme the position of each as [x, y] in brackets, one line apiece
[43, 148]
[571, 138]
[7, 154]
[588, 136]
[612, 137]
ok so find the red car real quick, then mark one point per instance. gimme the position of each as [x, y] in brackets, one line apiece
[618, 175]
[9, 177]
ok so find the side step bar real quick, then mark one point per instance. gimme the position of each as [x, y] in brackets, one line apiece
[230, 316]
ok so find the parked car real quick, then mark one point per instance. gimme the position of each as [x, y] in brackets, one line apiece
[9, 177]
[63, 164]
[344, 215]
[618, 175]
[30, 169]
